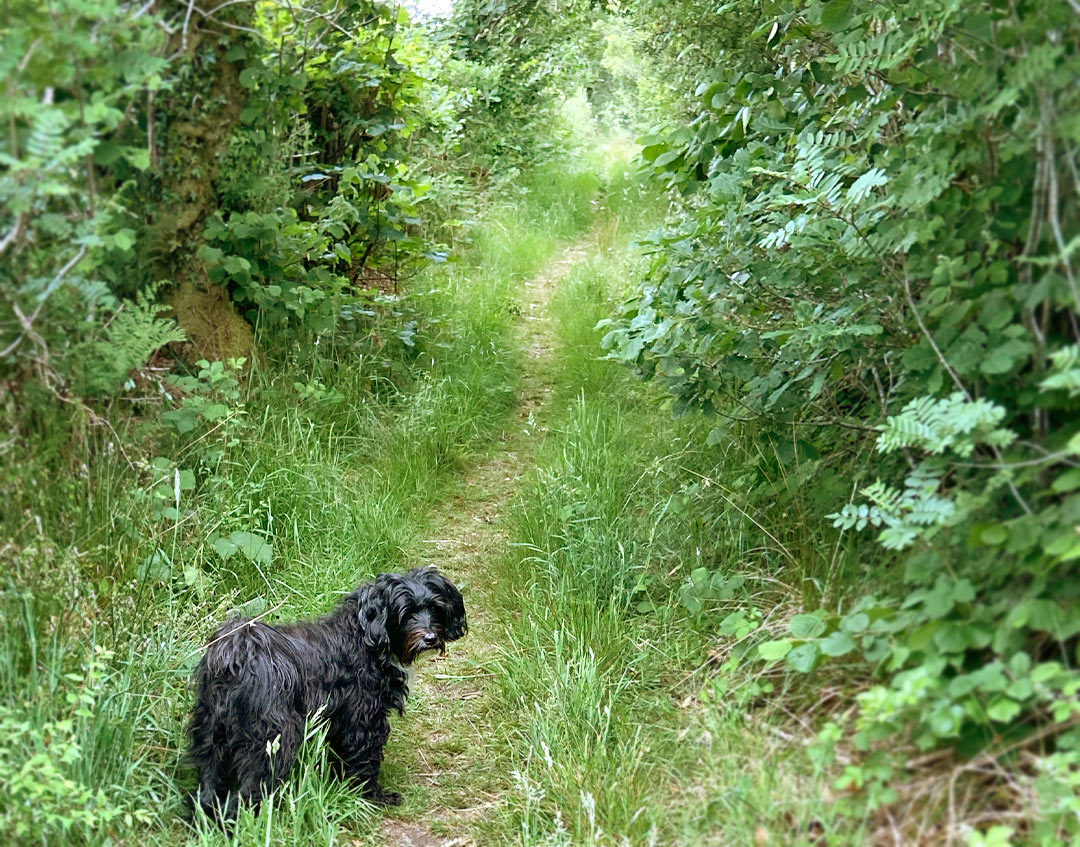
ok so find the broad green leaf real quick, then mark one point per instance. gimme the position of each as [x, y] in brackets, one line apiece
[254, 547]
[836, 15]
[804, 658]
[1003, 710]
[772, 651]
[839, 643]
[806, 626]
[252, 608]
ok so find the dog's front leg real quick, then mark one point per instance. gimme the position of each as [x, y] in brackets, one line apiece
[358, 746]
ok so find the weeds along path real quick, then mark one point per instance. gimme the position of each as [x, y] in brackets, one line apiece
[441, 742]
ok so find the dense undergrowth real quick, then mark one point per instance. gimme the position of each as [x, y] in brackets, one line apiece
[304, 486]
[259, 265]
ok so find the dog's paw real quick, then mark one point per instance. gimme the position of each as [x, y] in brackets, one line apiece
[381, 797]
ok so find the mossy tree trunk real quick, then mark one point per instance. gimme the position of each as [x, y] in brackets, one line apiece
[194, 124]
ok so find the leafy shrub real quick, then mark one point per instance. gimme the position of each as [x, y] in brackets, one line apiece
[873, 237]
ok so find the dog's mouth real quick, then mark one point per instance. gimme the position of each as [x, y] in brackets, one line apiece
[419, 642]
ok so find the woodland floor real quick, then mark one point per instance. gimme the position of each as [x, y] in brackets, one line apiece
[440, 744]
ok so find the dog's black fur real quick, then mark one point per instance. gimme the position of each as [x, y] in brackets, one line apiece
[257, 685]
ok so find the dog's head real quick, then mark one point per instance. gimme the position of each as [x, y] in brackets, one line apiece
[410, 613]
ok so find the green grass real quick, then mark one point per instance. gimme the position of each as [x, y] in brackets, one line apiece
[612, 731]
[610, 722]
[105, 602]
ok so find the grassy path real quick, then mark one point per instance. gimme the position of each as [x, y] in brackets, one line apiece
[443, 738]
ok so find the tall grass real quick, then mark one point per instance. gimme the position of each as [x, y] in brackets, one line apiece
[106, 598]
[614, 730]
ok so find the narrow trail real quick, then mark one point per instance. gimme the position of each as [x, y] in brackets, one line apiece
[444, 734]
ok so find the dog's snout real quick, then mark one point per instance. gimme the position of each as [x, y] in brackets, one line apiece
[431, 639]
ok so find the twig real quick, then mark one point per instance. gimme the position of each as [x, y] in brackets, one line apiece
[187, 21]
[10, 238]
[151, 126]
[27, 323]
[1052, 212]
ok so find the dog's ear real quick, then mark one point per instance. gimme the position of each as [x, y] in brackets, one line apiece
[372, 606]
[451, 600]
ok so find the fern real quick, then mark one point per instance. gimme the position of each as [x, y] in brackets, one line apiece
[47, 137]
[955, 424]
[134, 334]
[1065, 372]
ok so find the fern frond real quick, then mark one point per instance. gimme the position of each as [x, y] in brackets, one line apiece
[135, 333]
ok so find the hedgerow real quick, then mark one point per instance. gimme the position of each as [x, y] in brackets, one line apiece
[871, 263]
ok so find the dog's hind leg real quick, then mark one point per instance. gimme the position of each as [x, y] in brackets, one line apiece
[265, 755]
[209, 753]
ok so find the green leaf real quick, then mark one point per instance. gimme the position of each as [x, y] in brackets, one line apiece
[1068, 481]
[124, 239]
[252, 608]
[154, 568]
[855, 622]
[1003, 710]
[952, 637]
[223, 547]
[182, 420]
[249, 77]
[254, 547]
[692, 602]
[836, 15]
[840, 643]
[807, 626]
[804, 658]
[994, 535]
[773, 651]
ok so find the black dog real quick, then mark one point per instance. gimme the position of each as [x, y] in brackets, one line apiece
[258, 684]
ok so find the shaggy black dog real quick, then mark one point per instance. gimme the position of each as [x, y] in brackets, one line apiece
[258, 684]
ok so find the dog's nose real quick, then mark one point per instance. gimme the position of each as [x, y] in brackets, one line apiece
[430, 639]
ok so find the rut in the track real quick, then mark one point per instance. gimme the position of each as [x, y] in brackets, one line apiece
[444, 736]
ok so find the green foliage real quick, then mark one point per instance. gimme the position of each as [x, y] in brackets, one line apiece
[874, 210]
[50, 793]
[132, 334]
[73, 72]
